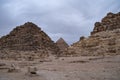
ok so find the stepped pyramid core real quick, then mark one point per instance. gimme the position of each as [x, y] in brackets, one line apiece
[28, 37]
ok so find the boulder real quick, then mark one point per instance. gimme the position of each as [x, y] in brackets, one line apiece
[13, 68]
[32, 71]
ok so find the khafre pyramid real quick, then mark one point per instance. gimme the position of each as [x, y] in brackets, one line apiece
[104, 39]
[27, 39]
[61, 43]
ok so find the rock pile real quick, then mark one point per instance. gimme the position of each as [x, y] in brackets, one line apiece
[104, 40]
[28, 39]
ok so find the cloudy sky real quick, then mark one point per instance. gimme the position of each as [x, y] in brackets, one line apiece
[69, 19]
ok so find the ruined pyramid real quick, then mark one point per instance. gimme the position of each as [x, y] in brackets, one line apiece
[27, 39]
[104, 39]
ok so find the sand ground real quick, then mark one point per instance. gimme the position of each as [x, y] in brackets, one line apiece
[65, 68]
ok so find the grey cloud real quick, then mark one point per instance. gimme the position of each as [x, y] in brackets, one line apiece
[69, 19]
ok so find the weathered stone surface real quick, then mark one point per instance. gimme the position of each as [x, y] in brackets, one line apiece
[28, 39]
[110, 22]
[104, 40]
[2, 64]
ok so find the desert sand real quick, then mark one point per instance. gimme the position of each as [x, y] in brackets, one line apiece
[64, 68]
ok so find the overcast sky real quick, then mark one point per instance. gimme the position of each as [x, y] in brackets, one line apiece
[69, 19]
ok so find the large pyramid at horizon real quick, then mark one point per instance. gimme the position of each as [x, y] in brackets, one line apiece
[61, 43]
